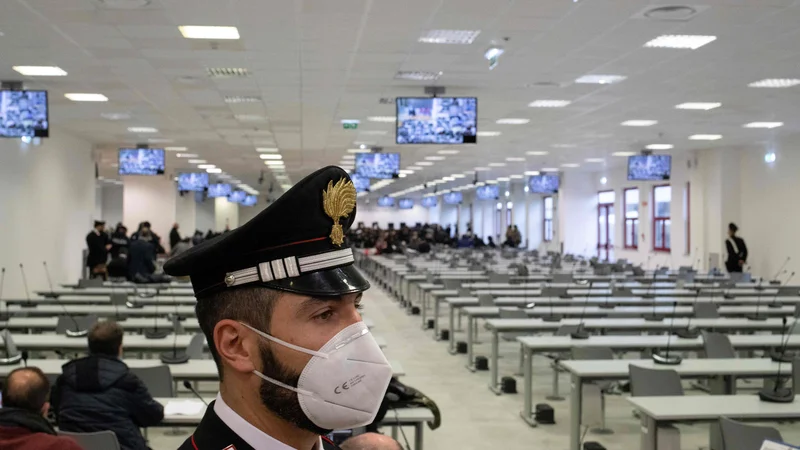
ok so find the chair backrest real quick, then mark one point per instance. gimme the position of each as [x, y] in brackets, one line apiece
[717, 345]
[452, 284]
[592, 353]
[486, 300]
[98, 440]
[512, 313]
[796, 375]
[706, 311]
[554, 292]
[158, 380]
[195, 348]
[654, 382]
[8, 343]
[498, 277]
[566, 330]
[119, 298]
[562, 278]
[739, 436]
[65, 323]
[90, 282]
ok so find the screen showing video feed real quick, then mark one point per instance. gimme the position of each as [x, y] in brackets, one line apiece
[488, 192]
[194, 181]
[453, 198]
[250, 200]
[437, 120]
[361, 183]
[429, 202]
[141, 161]
[237, 196]
[378, 165]
[544, 184]
[386, 201]
[405, 203]
[649, 167]
[219, 190]
[23, 113]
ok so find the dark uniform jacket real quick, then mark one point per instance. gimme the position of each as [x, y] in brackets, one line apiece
[213, 434]
[97, 248]
[736, 253]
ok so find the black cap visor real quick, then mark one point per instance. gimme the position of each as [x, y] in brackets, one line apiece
[324, 283]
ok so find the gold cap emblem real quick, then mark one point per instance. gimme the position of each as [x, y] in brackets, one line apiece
[338, 201]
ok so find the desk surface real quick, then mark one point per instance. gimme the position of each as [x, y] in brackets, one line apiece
[628, 311]
[133, 323]
[102, 310]
[120, 290]
[711, 407]
[504, 325]
[552, 343]
[618, 368]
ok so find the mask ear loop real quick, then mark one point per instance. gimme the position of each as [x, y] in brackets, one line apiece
[286, 344]
[284, 385]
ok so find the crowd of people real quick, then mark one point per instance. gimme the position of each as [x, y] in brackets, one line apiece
[420, 237]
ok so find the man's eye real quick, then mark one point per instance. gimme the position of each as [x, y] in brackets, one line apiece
[359, 306]
[325, 316]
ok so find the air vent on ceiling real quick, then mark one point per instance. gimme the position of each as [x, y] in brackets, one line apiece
[417, 75]
[670, 13]
[123, 4]
[241, 99]
[227, 72]
[543, 84]
[386, 101]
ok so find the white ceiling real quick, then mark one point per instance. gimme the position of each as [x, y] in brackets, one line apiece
[316, 62]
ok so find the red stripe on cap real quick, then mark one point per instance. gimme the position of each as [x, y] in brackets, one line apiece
[193, 444]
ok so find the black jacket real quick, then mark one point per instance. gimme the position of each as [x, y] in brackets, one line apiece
[739, 253]
[174, 237]
[99, 393]
[119, 241]
[213, 434]
[97, 248]
[141, 259]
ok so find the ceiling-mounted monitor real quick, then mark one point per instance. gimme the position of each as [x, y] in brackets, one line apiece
[405, 203]
[429, 202]
[487, 192]
[219, 190]
[453, 198]
[544, 184]
[141, 161]
[437, 120]
[24, 114]
[237, 196]
[192, 181]
[361, 183]
[649, 167]
[250, 200]
[386, 201]
[378, 165]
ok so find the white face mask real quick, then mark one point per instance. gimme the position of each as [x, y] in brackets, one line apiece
[344, 383]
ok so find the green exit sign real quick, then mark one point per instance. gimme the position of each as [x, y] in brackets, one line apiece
[350, 124]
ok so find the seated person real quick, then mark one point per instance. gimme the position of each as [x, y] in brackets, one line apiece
[371, 441]
[465, 242]
[99, 392]
[491, 243]
[23, 423]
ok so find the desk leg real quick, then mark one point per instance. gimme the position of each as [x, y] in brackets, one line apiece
[424, 311]
[436, 301]
[527, 390]
[649, 432]
[575, 414]
[452, 348]
[470, 343]
[493, 383]
[418, 427]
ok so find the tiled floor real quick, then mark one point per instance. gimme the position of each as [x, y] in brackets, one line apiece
[473, 418]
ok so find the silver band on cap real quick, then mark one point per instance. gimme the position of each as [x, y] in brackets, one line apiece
[289, 267]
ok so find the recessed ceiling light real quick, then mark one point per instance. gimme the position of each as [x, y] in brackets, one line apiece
[417, 75]
[175, 149]
[549, 169]
[40, 71]
[687, 41]
[344, 157]
[275, 162]
[563, 146]
[201, 32]
[227, 72]
[568, 165]
[382, 119]
[659, 146]
[402, 175]
[406, 171]
[159, 140]
[503, 178]
[705, 106]
[115, 116]
[775, 83]
[763, 125]
[85, 97]
[372, 132]
[549, 103]
[197, 161]
[414, 168]
[512, 121]
[448, 179]
[623, 154]
[267, 150]
[639, 123]
[595, 160]
[435, 158]
[286, 187]
[536, 153]
[449, 36]
[448, 152]
[497, 164]
[358, 150]
[206, 166]
[214, 170]
[458, 175]
[705, 137]
[249, 117]
[241, 99]
[489, 133]
[600, 79]
[515, 177]
[143, 130]
[270, 156]
[515, 159]
[532, 173]
[424, 163]
[350, 121]
[186, 155]
[481, 169]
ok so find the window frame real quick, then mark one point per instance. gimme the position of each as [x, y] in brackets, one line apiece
[626, 228]
[659, 222]
[545, 220]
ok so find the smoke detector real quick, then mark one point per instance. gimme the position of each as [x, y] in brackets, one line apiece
[670, 13]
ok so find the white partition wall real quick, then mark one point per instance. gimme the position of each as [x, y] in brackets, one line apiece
[111, 205]
[151, 199]
[204, 215]
[186, 214]
[226, 214]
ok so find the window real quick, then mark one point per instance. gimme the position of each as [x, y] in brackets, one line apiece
[630, 227]
[662, 198]
[548, 219]
[687, 215]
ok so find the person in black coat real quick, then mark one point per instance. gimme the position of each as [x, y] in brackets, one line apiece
[119, 240]
[99, 392]
[141, 259]
[174, 236]
[99, 244]
[737, 250]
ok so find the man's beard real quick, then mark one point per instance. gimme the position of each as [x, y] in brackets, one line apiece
[282, 401]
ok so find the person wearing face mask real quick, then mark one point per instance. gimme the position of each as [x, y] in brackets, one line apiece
[278, 300]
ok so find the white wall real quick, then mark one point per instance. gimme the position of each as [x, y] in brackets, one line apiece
[246, 213]
[226, 214]
[369, 213]
[111, 206]
[185, 214]
[46, 209]
[152, 199]
[204, 216]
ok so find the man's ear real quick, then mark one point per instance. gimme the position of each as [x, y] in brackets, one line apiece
[45, 409]
[236, 345]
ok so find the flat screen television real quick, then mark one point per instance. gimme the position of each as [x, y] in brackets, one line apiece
[250, 200]
[649, 167]
[488, 192]
[219, 190]
[24, 113]
[544, 184]
[453, 198]
[405, 203]
[437, 120]
[237, 196]
[192, 181]
[141, 161]
[429, 202]
[378, 165]
[386, 201]
[361, 183]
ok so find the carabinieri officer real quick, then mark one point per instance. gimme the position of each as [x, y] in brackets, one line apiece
[278, 300]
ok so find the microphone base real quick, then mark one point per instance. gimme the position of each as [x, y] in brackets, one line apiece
[606, 306]
[775, 283]
[76, 333]
[551, 318]
[759, 288]
[11, 360]
[120, 319]
[729, 296]
[756, 317]
[5, 317]
[28, 305]
[688, 333]
[780, 357]
[133, 305]
[775, 305]
[654, 318]
[49, 295]
[174, 357]
[154, 333]
[580, 334]
[772, 395]
[667, 359]
[649, 296]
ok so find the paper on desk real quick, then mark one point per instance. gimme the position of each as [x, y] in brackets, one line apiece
[772, 445]
[183, 407]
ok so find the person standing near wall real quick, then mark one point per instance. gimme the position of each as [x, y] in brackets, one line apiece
[737, 250]
[99, 244]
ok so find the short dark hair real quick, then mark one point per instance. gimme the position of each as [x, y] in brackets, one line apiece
[732, 226]
[105, 338]
[252, 305]
[26, 388]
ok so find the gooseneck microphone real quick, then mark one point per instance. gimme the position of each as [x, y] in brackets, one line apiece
[581, 332]
[653, 317]
[689, 332]
[28, 303]
[175, 356]
[155, 333]
[666, 358]
[779, 354]
[775, 280]
[5, 315]
[552, 317]
[758, 316]
[775, 303]
[610, 291]
[191, 388]
[78, 331]
[779, 393]
[647, 293]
